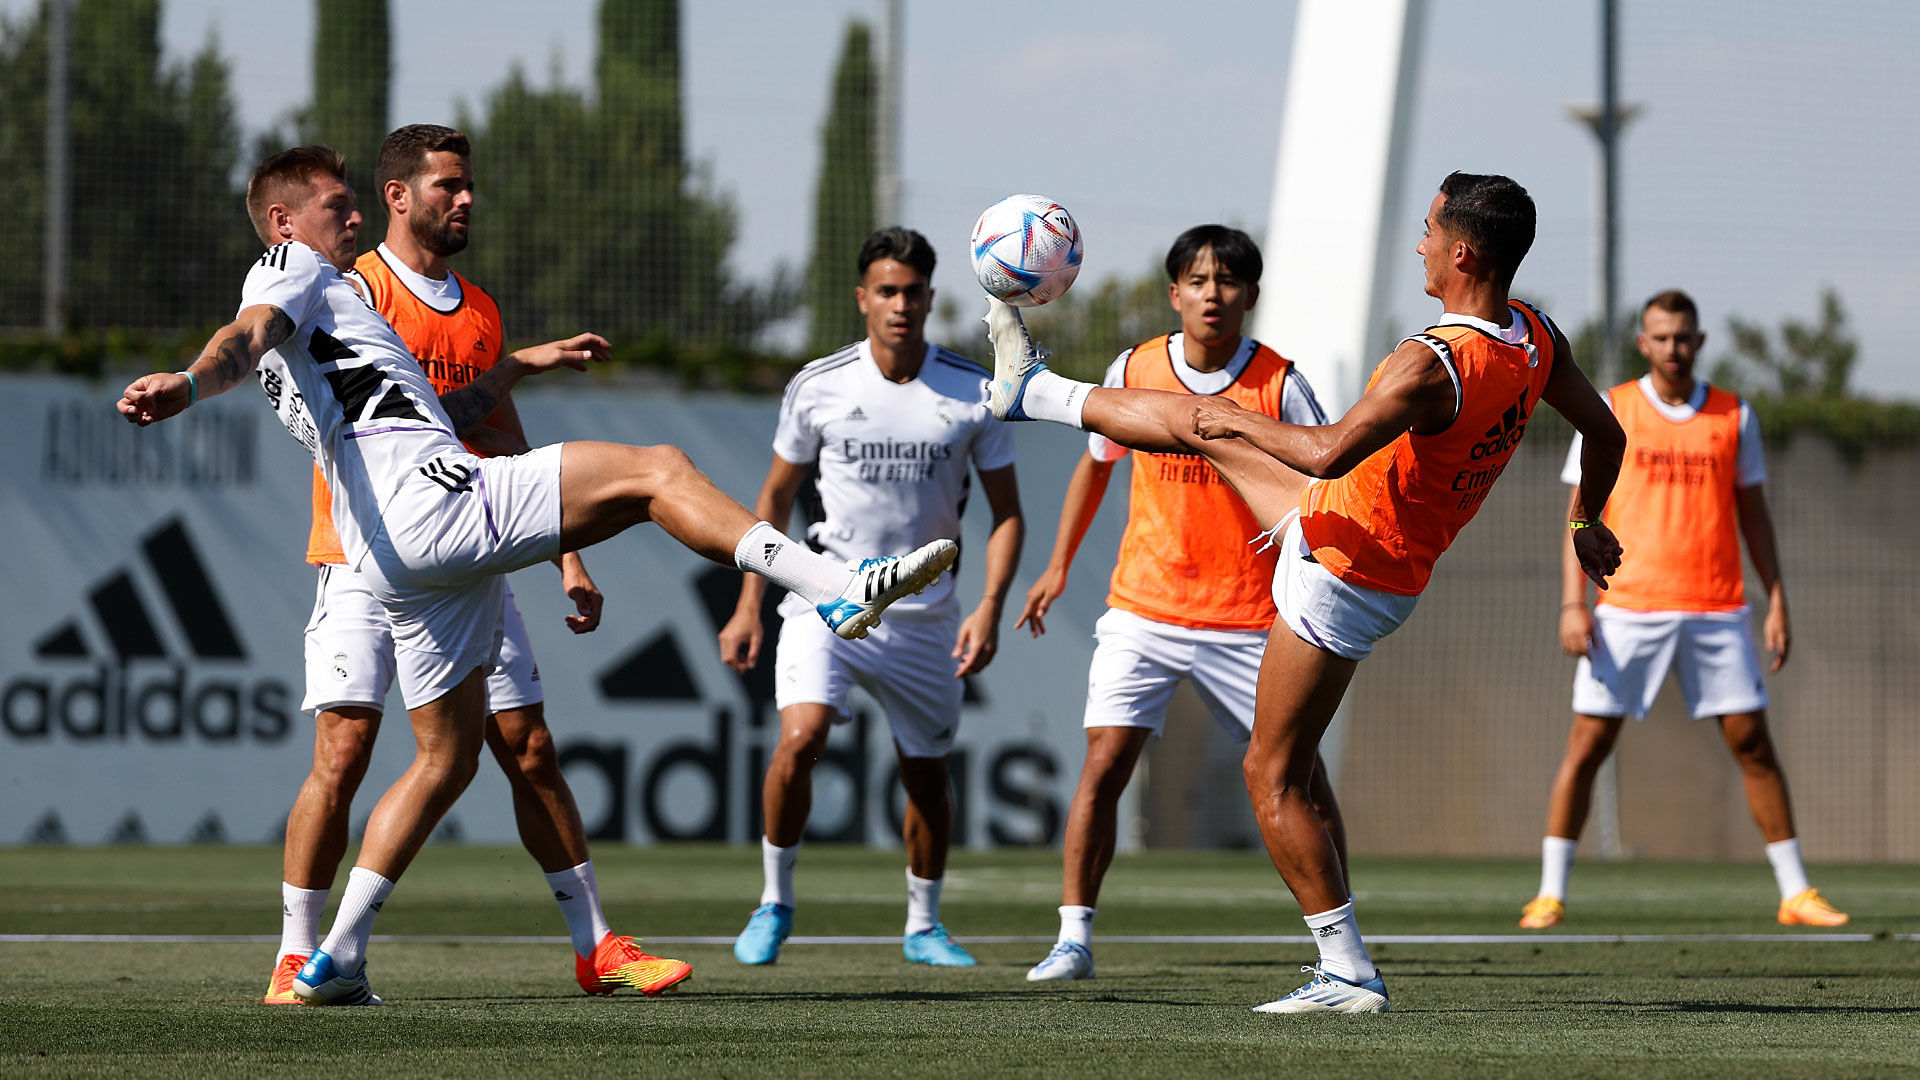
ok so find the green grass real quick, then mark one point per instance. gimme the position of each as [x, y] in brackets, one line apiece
[1773, 1008]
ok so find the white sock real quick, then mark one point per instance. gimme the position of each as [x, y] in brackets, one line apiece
[1341, 951]
[300, 919]
[1556, 860]
[1052, 396]
[1076, 925]
[793, 566]
[579, 899]
[353, 923]
[777, 864]
[1788, 870]
[923, 903]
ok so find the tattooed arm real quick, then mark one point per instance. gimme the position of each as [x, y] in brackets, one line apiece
[470, 405]
[230, 356]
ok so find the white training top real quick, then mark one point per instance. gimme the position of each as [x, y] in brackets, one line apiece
[1750, 459]
[891, 458]
[346, 386]
[1297, 403]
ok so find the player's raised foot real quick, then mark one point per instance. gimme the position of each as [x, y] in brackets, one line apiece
[879, 582]
[766, 930]
[320, 983]
[280, 987]
[936, 948]
[1016, 359]
[1326, 992]
[1809, 908]
[1068, 960]
[1542, 912]
[619, 961]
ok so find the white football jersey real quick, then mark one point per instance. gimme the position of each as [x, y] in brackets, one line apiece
[346, 386]
[891, 458]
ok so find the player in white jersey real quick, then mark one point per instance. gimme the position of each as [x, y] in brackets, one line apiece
[433, 527]
[889, 426]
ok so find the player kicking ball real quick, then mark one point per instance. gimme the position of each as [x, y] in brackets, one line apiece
[888, 429]
[432, 527]
[1359, 509]
[1183, 525]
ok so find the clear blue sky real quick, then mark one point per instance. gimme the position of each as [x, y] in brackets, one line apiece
[1775, 153]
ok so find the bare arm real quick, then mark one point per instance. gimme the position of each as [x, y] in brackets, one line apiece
[1576, 621]
[229, 357]
[1084, 492]
[1756, 524]
[1602, 444]
[740, 639]
[980, 632]
[473, 403]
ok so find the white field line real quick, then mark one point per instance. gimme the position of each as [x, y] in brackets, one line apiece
[987, 939]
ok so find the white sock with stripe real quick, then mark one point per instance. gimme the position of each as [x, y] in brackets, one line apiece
[1076, 925]
[923, 903]
[793, 566]
[1052, 396]
[578, 895]
[300, 919]
[776, 864]
[1788, 871]
[353, 924]
[1341, 951]
[1556, 862]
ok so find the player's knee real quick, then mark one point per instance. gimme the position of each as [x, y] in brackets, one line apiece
[660, 468]
[535, 756]
[800, 749]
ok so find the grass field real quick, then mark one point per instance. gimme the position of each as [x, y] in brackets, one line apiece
[480, 1007]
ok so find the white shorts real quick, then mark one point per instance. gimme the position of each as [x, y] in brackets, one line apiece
[1138, 662]
[906, 663]
[445, 536]
[1345, 620]
[1713, 653]
[350, 657]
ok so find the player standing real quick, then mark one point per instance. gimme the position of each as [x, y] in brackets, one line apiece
[1693, 475]
[1183, 525]
[889, 427]
[432, 527]
[1360, 510]
[453, 328]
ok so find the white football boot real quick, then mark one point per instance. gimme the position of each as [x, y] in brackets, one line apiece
[1068, 960]
[1016, 359]
[1326, 992]
[879, 582]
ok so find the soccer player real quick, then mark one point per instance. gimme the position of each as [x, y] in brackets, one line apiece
[1183, 525]
[1693, 477]
[887, 429]
[1360, 509]
[453, 328]
[431, 527]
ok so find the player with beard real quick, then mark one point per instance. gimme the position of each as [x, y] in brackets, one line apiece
[425, 174]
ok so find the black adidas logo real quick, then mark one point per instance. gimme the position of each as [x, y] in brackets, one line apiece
[456, 478]
[1328, 931]
[856, 414]
[1506, 433]
[767, 553]
[561, 895]
[113, 675]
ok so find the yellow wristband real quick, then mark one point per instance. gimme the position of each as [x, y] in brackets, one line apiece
[1581, 524]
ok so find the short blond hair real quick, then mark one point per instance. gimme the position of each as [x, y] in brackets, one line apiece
[286, 179]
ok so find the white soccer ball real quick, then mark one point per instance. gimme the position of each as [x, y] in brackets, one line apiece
[1026, 250]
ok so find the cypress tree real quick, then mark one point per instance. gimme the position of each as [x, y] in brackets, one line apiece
[352, 73]
[843, 206]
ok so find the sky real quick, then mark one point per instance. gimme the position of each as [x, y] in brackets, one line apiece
[1772, 157]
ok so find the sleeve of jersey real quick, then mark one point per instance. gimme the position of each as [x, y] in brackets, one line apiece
[1750, 464]
[1102, 448]
[993, 446]
[286, 277]
[1297, 403]
[795, 438]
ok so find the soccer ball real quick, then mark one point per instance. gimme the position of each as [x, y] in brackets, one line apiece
[1026, 250]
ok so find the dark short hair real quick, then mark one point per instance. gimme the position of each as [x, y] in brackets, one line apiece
[1231, 248]
[1493, 214]
[1672, 301]
[284, 178]
[403, 153]
[900, 244]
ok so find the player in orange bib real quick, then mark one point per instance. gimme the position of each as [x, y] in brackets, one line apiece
[1184, 525]
[1359, 510]
[1692, 476]
[453, 329]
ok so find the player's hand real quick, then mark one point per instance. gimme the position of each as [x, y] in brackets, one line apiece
[586, 597]
[740, 642]
[152, 398]
[1576, 629]
[574, 352]
[1597, 551]
[1217, 418]
[1040, 600]
[1775, 630]
[979, 640]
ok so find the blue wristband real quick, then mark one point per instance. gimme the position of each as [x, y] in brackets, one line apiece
[193, 388]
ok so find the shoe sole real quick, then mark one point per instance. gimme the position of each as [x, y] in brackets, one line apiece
[857, 626]
[1359, 1007]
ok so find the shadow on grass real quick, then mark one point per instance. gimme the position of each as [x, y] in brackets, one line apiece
[1756, 1009]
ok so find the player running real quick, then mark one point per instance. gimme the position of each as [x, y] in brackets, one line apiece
[1360, 509]
[1183, 525]
[1693, 475]
[453, 328]
[432, 527]
[886, 429]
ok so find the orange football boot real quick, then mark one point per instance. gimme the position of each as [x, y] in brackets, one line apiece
[1542, 912]
[618, 962]
[280, 987]
[1809, 908]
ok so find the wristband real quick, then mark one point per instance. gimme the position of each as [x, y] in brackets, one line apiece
[193, 387]
[1581, 524]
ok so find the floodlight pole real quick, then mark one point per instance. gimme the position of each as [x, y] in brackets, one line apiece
[53, 301]
[886, 201]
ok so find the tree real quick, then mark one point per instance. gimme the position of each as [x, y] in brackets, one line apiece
[1815, 359]
[352, 75]
[843, 208]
